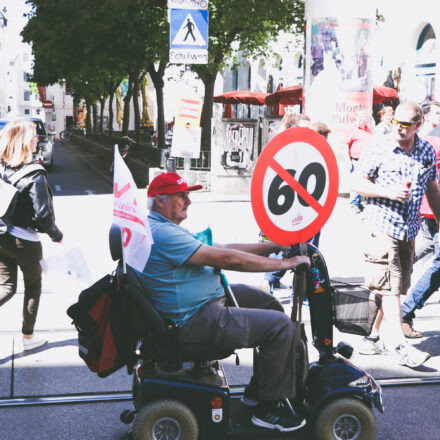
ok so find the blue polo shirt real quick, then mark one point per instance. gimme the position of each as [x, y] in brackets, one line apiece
[176, 289]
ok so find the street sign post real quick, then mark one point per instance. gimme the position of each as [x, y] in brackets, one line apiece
[187, 4]
[189, 36]
[294, 186]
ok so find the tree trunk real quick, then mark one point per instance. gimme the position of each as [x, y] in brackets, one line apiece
[95, 118]
[137, 113]
[110, 113]
[111, 90]
[127, 99]
[101, 115]
[88, 118]
[209, 82]
[157, 78]
[75, 111]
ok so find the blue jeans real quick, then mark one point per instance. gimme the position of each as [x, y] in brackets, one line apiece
[355, 198]
[429, 281]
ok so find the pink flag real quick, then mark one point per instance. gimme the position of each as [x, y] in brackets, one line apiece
[130, 214]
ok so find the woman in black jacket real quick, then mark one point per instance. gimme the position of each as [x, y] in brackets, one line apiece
[21, 246]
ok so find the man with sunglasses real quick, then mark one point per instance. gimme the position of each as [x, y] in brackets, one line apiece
[394, 173]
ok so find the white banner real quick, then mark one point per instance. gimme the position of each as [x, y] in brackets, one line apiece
[130, 214]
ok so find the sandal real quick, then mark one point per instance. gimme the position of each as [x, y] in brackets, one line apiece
[409, 332]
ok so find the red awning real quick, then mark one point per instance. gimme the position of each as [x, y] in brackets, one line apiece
[382, 94]
[288, 96]
[293, 95]
[241, 97]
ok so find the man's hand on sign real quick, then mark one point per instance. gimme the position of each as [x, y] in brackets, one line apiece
[296, 261]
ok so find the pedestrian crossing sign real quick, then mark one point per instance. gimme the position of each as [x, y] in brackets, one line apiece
[188, 29]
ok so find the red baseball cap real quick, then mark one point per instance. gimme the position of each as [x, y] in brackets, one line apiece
[169, 183]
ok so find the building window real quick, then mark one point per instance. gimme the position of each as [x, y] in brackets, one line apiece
[27, 95]
[26, 76]
[38, 111]
[27, 111]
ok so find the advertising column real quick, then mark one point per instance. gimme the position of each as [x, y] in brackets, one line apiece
[338, 73]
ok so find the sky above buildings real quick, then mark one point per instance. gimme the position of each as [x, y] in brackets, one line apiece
[16, 22]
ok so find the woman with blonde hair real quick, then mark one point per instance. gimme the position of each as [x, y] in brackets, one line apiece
[20, 246]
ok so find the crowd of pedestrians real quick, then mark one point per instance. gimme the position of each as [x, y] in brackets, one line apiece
[395, 168]
[397, 173]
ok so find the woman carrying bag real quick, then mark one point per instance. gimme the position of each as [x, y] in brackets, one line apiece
[20, 246]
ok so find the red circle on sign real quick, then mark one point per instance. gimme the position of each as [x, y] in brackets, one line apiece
[47, 104]
[266, 159]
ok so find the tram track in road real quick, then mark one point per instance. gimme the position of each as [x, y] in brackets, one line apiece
[123, 396]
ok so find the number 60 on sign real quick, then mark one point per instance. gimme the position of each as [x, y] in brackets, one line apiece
[294, 186]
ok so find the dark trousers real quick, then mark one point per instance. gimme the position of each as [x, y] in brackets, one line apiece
[259, 322]
[26, 255]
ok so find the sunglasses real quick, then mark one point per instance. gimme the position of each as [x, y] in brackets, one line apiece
[403, 124]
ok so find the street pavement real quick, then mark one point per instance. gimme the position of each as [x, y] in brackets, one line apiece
[83, 205]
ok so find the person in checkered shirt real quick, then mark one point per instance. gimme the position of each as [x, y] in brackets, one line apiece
[394, 173]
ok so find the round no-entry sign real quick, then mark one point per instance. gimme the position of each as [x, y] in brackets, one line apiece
[294, 186]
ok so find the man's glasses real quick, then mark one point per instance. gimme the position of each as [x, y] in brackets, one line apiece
[403, 124]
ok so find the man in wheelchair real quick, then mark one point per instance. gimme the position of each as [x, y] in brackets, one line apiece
[183, 280]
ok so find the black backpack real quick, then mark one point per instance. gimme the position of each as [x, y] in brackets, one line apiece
[9, 194]
[101, 317]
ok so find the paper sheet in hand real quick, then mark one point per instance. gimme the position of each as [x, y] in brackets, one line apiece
[63, 267]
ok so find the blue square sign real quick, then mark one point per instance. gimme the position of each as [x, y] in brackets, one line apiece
[189, 29]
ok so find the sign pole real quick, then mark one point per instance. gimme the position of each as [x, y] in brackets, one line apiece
[186, 168]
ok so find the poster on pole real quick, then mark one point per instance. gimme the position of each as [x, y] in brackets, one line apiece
[187, 132]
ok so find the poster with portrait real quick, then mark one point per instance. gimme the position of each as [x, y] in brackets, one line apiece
[338, 72]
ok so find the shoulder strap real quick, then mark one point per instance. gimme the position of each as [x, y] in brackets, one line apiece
[24, 172]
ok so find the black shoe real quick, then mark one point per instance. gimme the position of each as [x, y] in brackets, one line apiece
[279, 285]
[250, 394]
[276, 416]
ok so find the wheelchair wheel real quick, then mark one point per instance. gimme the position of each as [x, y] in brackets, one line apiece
[165, 419]
[346, 419]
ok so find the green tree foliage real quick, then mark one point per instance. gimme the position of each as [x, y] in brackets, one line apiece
[249, 26]
[94, 45]
[67, 45]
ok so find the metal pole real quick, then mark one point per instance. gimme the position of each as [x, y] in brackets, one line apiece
[186, 168]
